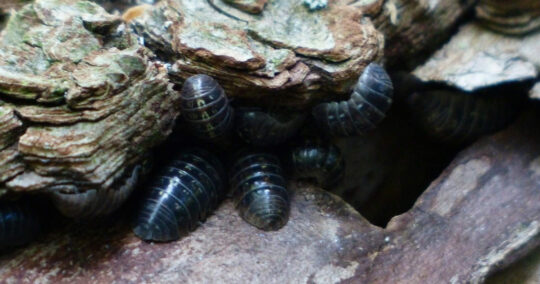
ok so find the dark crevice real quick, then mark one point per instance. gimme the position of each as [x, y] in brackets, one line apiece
[388, 181]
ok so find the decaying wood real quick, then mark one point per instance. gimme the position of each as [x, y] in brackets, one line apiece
[8, 5]
[287, 53]
[477, 58]
[480, 215]
[471, 220]
[413, 28]
[80, 100]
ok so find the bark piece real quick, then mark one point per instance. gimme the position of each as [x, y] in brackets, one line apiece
[93, 100]
[481, 214]
[413, 28]
[10, 127]
[477, 58]
[249, 6]
[7, 5]
[10, 164]
[287, 53]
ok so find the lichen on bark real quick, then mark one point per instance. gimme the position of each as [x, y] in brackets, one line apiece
[288, 52]
[80, 99]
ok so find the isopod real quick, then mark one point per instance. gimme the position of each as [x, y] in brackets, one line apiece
[184, 194]
[95, 203]
[455, 117]
[20, 222]
[320, 162]
[265, 128]
[367, 106]
[205, 107]
[260, 191]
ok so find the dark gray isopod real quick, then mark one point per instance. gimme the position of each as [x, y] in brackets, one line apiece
[367, 106]
[184, 194]
[260, 191]
[323, 163]
[266, 128]
[205, 107]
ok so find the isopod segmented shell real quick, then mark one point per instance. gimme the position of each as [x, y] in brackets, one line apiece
[20, 222]
[323, 163]
[260, 191]
[205, 107]
[183, 194]
[517, 17]
[265, 128]
[95, 203]
[455, 117]
[367, 106]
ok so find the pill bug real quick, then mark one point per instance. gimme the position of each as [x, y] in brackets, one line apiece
[318, 161]
[370, 100]
[182, 195]
[266, 128]
[20, 222]
[455, 117]
[205, 108]
[259, 190]
[95, 203]
[517, 17]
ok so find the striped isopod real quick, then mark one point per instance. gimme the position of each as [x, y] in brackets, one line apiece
[184, 194]
[20, 222]
[323, 163]
[260, 191]
[367, 106]
[95, 203]
[455, 117]
[205, 107]
[261, 128]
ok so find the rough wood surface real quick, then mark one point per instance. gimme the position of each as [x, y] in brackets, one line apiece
[481, 214]
[80, 100]
[413, 28]
[287, 53]
[477, 58]
[7, 5]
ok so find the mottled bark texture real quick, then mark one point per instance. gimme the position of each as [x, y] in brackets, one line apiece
[480, 215]
[287, 54]
[80, 101]
[477, 58]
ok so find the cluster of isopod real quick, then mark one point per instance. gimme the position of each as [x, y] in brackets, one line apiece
[191, 186]
[187, 189]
